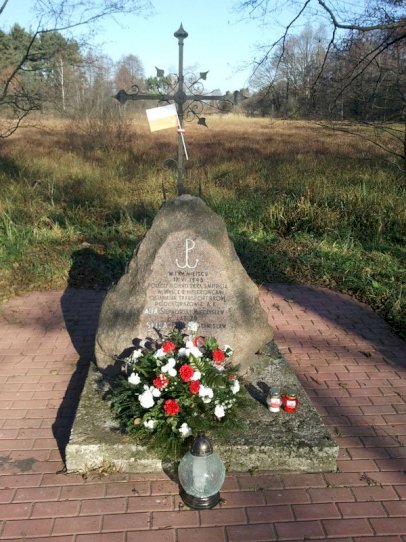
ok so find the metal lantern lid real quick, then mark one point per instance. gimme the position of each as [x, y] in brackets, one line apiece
[274, 391]
[291, 392]
[201, 446]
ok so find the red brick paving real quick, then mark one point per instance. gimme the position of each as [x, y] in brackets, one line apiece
[347, 359]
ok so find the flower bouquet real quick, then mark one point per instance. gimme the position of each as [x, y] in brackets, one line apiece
[176, 388]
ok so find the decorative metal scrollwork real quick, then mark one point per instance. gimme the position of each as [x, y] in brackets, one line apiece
[193, 110]
[188, 94]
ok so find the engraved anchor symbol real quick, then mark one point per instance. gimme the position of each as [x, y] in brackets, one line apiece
[189, 246]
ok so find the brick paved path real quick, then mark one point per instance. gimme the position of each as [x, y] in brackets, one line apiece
[346, 358]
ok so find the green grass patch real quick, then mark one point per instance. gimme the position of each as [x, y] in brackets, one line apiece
[300, 205]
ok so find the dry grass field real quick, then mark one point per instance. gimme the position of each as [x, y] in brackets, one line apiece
[301, 203]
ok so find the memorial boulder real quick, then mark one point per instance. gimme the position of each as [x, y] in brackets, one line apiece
[185, 269]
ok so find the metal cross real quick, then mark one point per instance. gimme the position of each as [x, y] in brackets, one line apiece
[181, 98]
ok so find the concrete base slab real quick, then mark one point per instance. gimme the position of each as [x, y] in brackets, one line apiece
[263, 441]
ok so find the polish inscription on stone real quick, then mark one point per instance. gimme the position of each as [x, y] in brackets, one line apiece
[185, 268]
[187, 283]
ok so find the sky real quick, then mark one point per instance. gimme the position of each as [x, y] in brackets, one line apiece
[219, 39]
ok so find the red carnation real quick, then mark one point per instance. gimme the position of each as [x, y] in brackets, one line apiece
[218, 356]
[194, 387]
[160, 381]
[171, 407]
[168, 346]
[186, 372]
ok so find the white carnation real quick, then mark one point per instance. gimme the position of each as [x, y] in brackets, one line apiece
[190, 349]
[155, 391]
[192, 327]
[194, 351]
[196, 375]
[135, 354]
[150, 424]
[170, 367]
[219, 411]
[206, 393]
[185, 430]
[235, 387]
[159, 354]
[146, 399]
[134, 378]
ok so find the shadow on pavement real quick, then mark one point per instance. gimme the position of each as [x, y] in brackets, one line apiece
[80, 310]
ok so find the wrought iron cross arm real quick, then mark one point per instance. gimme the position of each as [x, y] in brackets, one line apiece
[234, 98]
[204, 97]
[122, 96]
[186, 104]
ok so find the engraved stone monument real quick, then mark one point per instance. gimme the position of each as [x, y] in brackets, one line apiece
[186, 268]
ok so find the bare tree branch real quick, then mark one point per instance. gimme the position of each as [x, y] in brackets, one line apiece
[361, 71]
[17, 68]
[2, 7]
[18, 94]
[6, 130]
[361, 28]
[326, 56]
[282, 38]
[365, 62]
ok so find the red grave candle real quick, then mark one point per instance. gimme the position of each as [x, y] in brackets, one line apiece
[289, 401]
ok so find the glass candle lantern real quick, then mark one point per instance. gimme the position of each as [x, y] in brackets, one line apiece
[201, 474]
[274, 400]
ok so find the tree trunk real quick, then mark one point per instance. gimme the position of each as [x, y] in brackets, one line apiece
[62, 82]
